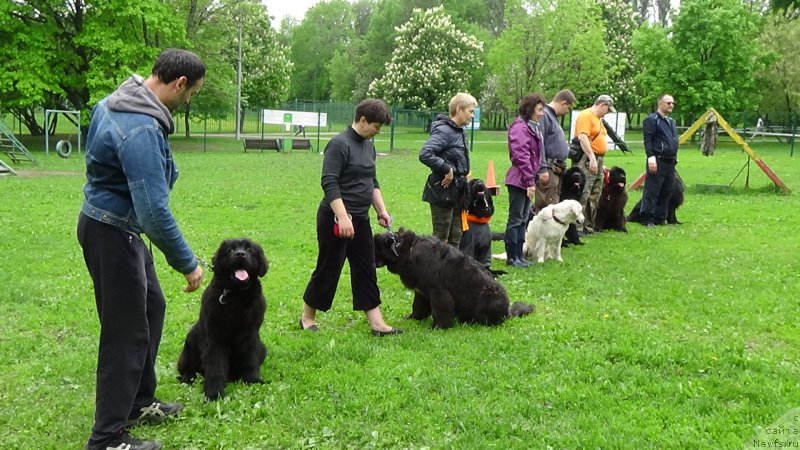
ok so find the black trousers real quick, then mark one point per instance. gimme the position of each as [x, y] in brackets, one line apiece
[333, 251]
[130, 306]
[657, 192]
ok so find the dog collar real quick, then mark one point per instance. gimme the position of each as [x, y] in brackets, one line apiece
[222, 296]
[557, 219]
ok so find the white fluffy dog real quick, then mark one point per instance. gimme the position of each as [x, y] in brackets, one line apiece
[546, 230]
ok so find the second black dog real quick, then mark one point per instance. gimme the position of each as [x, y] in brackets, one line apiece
[675, 202]
[610, 213]
[224, 344]
[477, 240]
[572, 184]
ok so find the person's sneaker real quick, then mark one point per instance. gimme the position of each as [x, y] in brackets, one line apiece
[155, 413]
[128, 442]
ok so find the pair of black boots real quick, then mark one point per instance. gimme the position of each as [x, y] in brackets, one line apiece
[515, 255]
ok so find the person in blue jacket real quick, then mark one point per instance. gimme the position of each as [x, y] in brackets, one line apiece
[661, 146]
[129, 175]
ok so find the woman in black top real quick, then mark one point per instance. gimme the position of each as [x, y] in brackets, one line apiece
[343, 226]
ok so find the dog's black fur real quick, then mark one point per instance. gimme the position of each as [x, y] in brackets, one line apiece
[224, 344]
[476, 242]
[572, 184]
[610, 213]
[675, 201]
[447, 284]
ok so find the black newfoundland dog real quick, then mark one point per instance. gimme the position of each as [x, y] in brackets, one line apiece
[675, 202]
[477, 240]
[572, 184]
[610, 213]
[224, 344]
[447, 284]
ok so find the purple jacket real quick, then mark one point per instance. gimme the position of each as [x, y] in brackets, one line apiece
[525, 153]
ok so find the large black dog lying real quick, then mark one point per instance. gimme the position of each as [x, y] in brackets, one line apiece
[447, 284]
[610, 213]
[572, 184]
[224, 344]
[675, 201]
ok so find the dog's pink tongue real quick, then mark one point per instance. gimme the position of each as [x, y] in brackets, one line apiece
[241, 275]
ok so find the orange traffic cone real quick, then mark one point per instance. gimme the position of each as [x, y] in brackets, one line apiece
[490, 181]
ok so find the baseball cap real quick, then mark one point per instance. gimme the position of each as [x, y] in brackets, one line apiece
[607, 100]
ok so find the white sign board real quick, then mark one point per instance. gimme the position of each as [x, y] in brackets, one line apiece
[617, 120]
[307, 119]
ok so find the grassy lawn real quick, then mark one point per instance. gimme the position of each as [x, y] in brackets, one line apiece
[674, 337]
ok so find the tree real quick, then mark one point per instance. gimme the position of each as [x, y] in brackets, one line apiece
[708, 58]
[780, 81]
[621, 64]
[76, 51]
[549, 47]
[326, 28]
[432, 61]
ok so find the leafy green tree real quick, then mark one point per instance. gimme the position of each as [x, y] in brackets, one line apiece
[432, 61]
[708, 58]
[780, 81]
[76, 51]
[326, 28]
[547, 48]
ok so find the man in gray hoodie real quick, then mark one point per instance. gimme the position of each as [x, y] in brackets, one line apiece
[556, 149]
[129, 175]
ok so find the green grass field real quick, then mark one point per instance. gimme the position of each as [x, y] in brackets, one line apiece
[673, 337]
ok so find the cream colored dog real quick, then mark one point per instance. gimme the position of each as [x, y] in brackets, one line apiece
[546, 230]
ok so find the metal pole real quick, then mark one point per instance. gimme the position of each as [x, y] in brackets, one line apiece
[239, 85]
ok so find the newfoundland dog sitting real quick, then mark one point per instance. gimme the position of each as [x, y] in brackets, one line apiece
[675, 201]
[477, 240]
[224, 344]
[447, 284]
[610, 213]
[571, 189]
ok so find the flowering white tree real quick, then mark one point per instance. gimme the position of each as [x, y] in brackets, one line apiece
[431, 62]
[621, 64]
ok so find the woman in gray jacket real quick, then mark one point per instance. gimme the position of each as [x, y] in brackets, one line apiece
[447, 155]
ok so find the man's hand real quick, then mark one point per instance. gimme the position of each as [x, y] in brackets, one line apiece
[652, 167]
[193, 279]
[544, 177]
[593, 166]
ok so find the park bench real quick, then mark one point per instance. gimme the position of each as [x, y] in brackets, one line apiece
[261, 144]
[302, 144]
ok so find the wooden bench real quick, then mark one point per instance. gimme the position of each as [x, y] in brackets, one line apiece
[261, 144]
[302, 144]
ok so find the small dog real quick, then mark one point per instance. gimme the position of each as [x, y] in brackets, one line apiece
[675, 202]
[476, 242]
[610, 213]
[224, 344]
[572, 184]
[447, 284]
[547, 229]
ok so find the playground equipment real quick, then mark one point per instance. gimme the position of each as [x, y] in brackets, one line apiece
[63, 147]
[751, 154]
[13, 148]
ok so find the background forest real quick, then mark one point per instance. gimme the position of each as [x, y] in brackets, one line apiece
[734, 55]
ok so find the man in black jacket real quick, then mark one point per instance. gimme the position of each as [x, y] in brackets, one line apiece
[661, 146]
